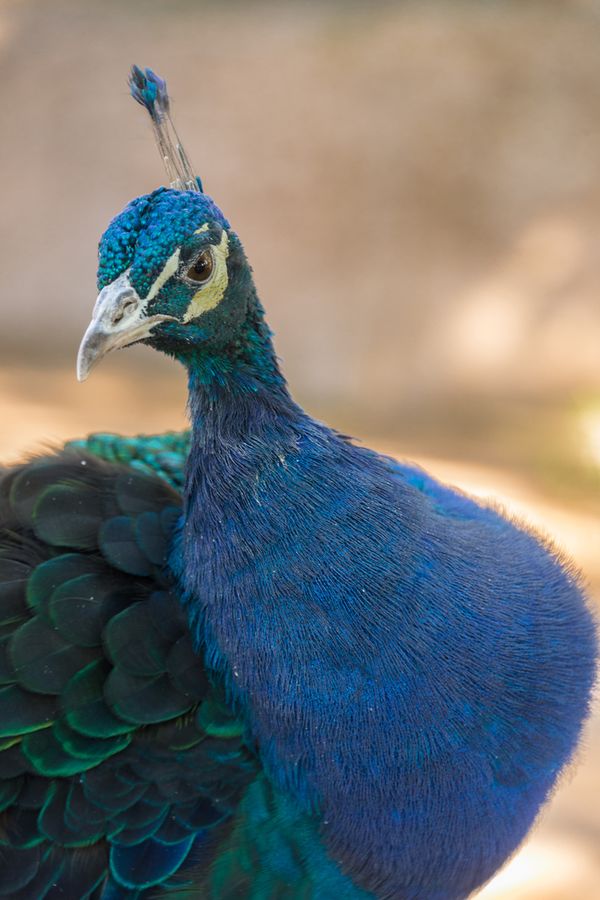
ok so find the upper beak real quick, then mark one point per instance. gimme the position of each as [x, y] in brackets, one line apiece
[119, 319]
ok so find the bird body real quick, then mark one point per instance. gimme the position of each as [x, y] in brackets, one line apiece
[386, 640]
[259, 660]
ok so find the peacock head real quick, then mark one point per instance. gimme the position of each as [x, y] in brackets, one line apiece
[171, 272]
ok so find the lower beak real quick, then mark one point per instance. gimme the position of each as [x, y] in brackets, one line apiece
[119, 319]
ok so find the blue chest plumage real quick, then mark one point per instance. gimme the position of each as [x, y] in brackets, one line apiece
[410, 665]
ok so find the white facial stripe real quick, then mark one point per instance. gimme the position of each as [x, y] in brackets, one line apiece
[169, 269]
[202, 228]
[209, 296]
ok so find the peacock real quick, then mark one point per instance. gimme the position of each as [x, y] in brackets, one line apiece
[257, 659]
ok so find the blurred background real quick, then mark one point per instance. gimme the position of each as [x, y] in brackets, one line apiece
[417, 185]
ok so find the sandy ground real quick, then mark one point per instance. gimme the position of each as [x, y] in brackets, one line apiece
[561, 859]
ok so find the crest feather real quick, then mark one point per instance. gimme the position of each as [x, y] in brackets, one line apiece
[150, 91]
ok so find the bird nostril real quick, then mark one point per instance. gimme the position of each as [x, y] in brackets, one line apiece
[125, 310]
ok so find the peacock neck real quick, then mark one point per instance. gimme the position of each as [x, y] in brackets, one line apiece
[232, 383]
[241, 412]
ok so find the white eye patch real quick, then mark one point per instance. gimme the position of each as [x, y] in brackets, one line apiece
[210, 295]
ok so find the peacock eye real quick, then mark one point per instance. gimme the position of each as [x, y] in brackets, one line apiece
[202, 268]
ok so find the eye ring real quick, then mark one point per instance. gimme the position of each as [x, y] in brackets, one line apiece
[201, 270]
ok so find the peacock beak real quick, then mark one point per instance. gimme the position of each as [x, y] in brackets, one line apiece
[118, 320]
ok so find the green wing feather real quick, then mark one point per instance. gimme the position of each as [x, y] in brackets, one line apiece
[118, 757]
[158, 454]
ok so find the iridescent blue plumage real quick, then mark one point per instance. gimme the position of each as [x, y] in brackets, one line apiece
[327, 676]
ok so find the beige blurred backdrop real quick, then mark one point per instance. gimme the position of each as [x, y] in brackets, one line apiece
[417, 185]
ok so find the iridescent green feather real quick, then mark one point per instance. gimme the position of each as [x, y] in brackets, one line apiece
[107, 735]
[272, 850]
[159, 454]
